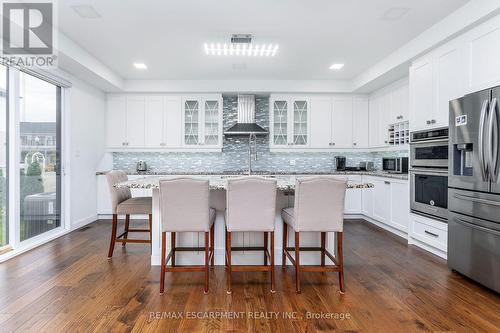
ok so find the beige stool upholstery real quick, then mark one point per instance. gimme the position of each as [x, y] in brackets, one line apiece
[251, 206]
[319, 206]
[184, 207]
[122, 203]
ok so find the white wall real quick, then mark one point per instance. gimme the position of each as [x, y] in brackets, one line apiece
[86, 107]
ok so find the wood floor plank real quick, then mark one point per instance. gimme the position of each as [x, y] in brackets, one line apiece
[68, 285]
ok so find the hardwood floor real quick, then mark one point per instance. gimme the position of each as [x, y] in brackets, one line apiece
[69, 285]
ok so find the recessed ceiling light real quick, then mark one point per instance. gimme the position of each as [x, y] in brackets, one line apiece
[336, 67]
[241, 49]
[140, 65]
[86, 11]
[394, 13]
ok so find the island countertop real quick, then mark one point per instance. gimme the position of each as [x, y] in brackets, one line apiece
[219, 182]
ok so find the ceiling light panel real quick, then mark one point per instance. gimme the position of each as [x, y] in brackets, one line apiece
[336, 66]
[241, 49]
[86, 11]
[140, 65]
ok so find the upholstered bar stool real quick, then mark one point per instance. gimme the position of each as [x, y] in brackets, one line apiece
[319, 206]
[123, 203]
[250, 207]
[184, 207]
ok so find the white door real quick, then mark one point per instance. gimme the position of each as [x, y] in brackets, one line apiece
[191, 121]
[421, 94]
[373, 118]
[382, 200]
[450, 82]
[155, 122]
[173, 121]
[400, 208]
[367, 199]
[212, 122]
[135, 121]
[342, 122]
[116, 122]
[300, 119]
[280, 122]
[360, 121]
[321, 122]
[384, 116]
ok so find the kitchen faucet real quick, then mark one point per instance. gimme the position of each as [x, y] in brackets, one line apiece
[252, 140]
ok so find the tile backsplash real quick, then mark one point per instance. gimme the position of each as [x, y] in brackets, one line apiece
[234, 155]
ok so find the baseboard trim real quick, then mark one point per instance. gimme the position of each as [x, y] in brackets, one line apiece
[428, 248]
[83, 222]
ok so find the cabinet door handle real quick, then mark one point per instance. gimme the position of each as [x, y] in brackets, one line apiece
[431, 233]
[354, 144]
[387, 182]
[428, 122]
[433, 121]
[333, 143]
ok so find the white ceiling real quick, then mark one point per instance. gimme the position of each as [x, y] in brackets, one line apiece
[168, 35]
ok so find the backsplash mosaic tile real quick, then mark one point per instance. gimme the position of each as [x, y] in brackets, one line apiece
[234, 155]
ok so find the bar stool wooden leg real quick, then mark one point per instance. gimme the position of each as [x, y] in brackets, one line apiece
[172, 243]
[150, 220]
[206, 262]
[228, 250]
[113, 236]
[265, 247]
[273, 282]
[285, 242]
[323, 243]
[212, 244]
[163, 249]
[297, 263]
[127, 222]
[340, 256]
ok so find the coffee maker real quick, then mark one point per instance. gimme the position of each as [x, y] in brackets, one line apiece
[340, 162]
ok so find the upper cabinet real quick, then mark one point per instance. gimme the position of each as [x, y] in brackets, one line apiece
[435, 79]
[360, 122]
[290, 121]
[164, 122]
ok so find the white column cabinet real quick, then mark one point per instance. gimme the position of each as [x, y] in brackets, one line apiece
[136, 107]
[342, 136]
[155, 121]
[321, 121]
[116, 122]
[360, 122]
[173, 121]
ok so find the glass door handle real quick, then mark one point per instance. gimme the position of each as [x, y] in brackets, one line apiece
[482, 123]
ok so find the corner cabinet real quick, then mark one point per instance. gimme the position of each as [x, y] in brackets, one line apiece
[202, 121]
[164, 122]
[290, 121]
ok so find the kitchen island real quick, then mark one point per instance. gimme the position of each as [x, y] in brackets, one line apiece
[285, 185]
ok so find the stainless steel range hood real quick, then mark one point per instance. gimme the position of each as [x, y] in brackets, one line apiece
[246, 118]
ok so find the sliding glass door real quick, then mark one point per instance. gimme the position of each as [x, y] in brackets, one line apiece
[4, 223]
[40, 155]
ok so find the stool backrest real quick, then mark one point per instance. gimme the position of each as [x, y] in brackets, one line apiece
[184, 204]
[118, 195]
[251, 204]
[319, 203]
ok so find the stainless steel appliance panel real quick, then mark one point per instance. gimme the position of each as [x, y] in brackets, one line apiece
[484, 206]
[467, 149]
[474, 249]
[429, 192]
[493, 133]
[430, 154]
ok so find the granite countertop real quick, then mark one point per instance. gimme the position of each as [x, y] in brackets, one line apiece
[219, 182]
[264, 173]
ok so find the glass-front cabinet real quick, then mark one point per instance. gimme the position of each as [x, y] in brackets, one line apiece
[202, 121]
[290, 121]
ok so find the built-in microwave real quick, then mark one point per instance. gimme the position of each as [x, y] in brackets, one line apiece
[395, 164]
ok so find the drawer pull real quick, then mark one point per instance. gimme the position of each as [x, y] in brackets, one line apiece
[431, 233]
[387, 182]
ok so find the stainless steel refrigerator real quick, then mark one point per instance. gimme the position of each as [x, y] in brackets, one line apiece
[474, 187]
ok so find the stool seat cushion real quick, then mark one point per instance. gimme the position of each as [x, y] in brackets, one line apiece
[137, 205]
[287, 216]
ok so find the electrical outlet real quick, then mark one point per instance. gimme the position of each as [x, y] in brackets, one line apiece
[292, 162]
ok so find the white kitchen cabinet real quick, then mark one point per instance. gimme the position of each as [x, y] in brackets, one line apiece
[379, 120]
[290, 121]
[136, 107]
[353, 198]
[382, 200]
[421, 93]
[400, 103]
[173, 121]
[342, 136]
[360, 122]
[155, 121]
[321, 122]
[373, 118]
[202, 121]
[400, 205]
[116, 122]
